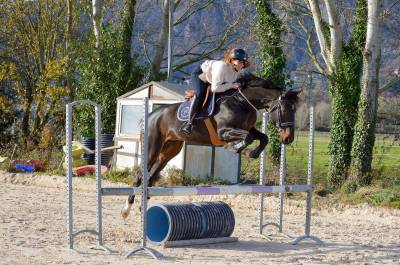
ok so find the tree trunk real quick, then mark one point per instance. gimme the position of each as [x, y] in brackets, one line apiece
[128, 20]
[68, 49]
[126, 32]
[343, 64]
[364, 137]
[28, 98]
[161, 44]
[341, 133]
[96, 20]
[273, 62]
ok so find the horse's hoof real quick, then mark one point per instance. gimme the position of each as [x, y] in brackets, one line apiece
[254, 154]
[124, 214]
[239, 146]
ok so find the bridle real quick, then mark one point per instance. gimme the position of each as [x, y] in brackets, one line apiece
[278, 106]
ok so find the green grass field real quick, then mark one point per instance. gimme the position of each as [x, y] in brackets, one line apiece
[385, 188]
[386, 160]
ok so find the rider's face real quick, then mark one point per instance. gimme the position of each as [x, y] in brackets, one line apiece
[237, 64]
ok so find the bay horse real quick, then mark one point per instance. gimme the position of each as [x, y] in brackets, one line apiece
[234, 119]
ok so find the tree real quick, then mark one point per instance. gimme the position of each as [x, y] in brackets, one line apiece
[364, 137]
[6, 109]
[107, 71]
[33, 60]
[344, 85]
[273, 61]
[340, 61]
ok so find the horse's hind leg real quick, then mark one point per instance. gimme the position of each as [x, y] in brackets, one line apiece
[169, 151]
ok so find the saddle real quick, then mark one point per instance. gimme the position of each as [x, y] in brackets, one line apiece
[189, 94]
[206, 110]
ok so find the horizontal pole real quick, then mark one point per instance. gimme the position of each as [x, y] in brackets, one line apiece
[105, 149]
[206, 190]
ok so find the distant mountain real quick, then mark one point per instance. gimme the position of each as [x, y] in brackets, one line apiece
[213, 21]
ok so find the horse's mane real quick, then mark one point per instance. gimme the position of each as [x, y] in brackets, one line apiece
[247, 79]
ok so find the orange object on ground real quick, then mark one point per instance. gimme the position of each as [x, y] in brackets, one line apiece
[88, 169]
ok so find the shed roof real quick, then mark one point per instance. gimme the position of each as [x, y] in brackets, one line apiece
[174, 88]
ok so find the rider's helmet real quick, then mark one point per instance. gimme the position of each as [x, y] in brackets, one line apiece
[239, 54]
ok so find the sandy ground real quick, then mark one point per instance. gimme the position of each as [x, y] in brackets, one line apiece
[33, 230]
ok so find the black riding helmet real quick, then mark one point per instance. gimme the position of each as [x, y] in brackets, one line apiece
[239, 54]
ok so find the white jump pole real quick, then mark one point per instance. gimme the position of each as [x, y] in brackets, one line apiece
[282, 175]
[68, 159]
[310, 176]
[156, 255]
[262, 174]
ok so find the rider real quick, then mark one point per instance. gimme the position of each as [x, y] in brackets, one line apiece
[220, 74]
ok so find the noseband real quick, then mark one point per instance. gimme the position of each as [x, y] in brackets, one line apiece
[278, 107]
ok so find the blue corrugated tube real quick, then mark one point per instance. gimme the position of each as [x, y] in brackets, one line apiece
[183, 221]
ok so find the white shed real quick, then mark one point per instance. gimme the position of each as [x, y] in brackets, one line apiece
[196, 160]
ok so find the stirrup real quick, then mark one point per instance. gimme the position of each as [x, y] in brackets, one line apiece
[186, 128]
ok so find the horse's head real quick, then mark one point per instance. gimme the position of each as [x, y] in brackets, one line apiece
[282, 114]
[263, 93]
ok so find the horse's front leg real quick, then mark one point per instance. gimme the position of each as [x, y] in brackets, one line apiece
[263, 138]
[238, 138]
[131, 199]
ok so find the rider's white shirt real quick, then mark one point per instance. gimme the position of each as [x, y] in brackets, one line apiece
[219, 74]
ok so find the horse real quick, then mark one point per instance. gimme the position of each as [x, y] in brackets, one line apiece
[234, 119]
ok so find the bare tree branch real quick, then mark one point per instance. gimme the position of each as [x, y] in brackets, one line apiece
[336, 33]
[389, 84]
[316, 12]
[187, 14]
[300, 12]
[219, 46]
[145, 50]
[310, 50]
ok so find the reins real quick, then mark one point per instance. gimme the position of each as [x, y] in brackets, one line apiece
[248, 101]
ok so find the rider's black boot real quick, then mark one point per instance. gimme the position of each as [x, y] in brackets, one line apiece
[188, 126]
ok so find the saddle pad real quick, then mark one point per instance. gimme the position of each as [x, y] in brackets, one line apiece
[208, 110]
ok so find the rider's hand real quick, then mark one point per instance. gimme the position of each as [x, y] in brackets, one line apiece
[236, 85]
